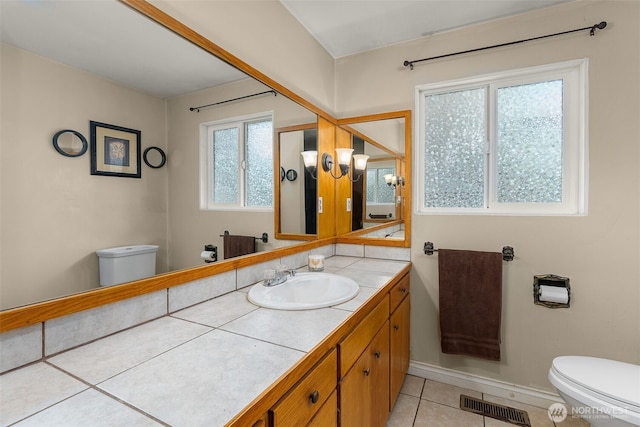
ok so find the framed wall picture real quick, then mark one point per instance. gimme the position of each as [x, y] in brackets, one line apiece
[115, 150]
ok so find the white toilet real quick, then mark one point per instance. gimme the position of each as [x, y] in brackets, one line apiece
[126, 263]
[602, 392]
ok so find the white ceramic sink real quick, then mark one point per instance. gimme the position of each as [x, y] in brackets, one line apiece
[305, 291]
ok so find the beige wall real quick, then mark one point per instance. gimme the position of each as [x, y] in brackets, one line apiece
[54, 214]
[600, 252]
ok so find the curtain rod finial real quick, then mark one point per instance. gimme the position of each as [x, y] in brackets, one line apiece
[602, 25]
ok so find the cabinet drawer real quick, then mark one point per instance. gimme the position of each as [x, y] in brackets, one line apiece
[304, 399]
[328, 414]
[399, 291]
[352, 346]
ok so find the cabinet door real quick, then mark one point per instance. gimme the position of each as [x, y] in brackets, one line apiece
[399, 348]
[364, 391]
[380, 359]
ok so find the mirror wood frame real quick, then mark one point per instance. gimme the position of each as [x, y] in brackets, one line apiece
[343, 189]
[18, 317]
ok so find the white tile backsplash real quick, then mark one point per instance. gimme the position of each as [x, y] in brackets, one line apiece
[296, 261]
[66, 332]
[254, 273]
[200, 290]
[20, 346]
[388, 252]
[349, 250]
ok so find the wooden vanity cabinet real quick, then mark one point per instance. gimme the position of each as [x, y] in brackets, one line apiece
[399, 331]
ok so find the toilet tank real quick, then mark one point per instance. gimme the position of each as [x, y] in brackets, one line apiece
[126, 263]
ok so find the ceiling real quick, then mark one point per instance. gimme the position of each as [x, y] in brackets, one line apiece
[81, 34]
[347, 27]
[96, 35]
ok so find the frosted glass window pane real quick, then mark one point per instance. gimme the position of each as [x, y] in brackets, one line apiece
[454, 161]
[386, 193]
[225, 166]
[371, 185]
[530, 143]
[259, 172]
[377, 189]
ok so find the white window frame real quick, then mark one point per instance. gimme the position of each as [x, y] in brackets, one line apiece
[575, 146]
[206, 163]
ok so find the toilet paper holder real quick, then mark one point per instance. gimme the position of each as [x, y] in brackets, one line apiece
[213, 253]
[551, 280]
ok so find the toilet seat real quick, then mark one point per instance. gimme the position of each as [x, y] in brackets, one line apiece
[616, 383]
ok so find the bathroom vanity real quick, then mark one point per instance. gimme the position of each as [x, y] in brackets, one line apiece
[364, 361]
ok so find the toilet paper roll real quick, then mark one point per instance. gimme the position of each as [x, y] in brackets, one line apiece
[553, 294]
[208, 255]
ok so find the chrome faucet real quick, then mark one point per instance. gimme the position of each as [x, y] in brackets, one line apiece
[278, 277]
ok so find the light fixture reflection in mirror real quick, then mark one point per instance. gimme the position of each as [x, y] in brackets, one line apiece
[344, 162]
[394, 180]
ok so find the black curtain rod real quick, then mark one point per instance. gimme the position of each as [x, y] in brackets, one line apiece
[197, 109]
[592, 32]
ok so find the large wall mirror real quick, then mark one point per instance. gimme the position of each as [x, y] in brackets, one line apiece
[55, 214]
[380, 201]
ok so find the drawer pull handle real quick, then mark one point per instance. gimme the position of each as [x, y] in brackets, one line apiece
[396, 327]
[377, 354]
[403, 290]
[367, 372]
[313, 397]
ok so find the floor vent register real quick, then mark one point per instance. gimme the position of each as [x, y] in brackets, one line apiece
[499, 412]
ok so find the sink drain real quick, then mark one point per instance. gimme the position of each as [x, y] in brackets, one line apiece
[499, 412]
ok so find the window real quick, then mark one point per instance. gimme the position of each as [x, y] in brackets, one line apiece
[378, 191]
[237, 164]
[513, 143]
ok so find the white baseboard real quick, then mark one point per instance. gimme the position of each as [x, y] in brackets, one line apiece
[528, 396]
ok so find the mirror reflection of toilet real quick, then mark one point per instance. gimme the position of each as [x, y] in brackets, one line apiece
[602, 392]
[126, 263]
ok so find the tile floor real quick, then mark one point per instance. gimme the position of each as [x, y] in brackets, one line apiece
[423, 403]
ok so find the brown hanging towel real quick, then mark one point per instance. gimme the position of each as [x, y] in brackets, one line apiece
[238, 245]
[470, 302]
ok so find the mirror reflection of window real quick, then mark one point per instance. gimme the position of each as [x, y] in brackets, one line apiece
[378, 191]
[239, 172]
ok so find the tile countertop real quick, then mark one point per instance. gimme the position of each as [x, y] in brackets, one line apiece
[198, 366]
